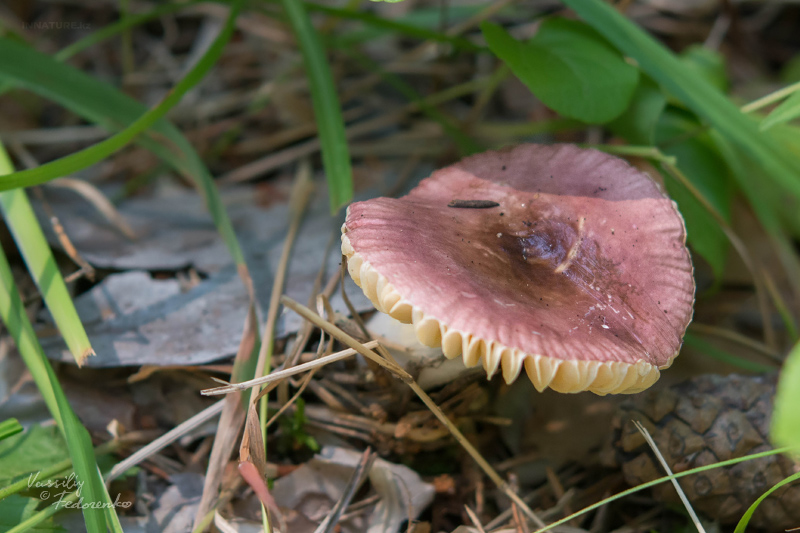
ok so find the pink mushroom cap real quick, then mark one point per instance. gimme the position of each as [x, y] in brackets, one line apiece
[580, 273]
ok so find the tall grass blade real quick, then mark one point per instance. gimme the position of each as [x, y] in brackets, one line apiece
[741, 527]
[111, 109]
[788, 110]
[335, 153]
[12, 312]
[42, 266]
[9, 428]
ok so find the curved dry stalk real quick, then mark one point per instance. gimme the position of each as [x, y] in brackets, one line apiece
[165, 440]
[738, 338]
[474, 519]
[678, 489]
[233, 416]
[429, 403]
[93, 195]
[359, 475]
[301, 194]
[283, 374]
[291, 400]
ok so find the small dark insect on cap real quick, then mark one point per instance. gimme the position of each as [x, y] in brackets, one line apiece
[473, 204]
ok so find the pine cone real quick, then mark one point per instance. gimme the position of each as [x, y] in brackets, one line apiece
[703, 421]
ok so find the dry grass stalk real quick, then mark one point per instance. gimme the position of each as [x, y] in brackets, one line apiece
[429, 403]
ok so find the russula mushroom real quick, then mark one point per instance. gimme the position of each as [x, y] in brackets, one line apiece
[567, 261]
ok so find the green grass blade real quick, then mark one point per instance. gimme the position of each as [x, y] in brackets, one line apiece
[9, 428]
[94, 154]
[335, 153]
[788, 110]
[653, 483]
[706, 101]
[741, 527]
[12, 312]
[106, 106]
[42, 266]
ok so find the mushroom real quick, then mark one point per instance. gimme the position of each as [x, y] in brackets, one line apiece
[567, 261]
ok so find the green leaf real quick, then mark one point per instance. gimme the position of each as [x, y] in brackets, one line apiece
[335, 152]
[741, 527]
[788, 110]
[9, 428]
[16, 509]
[735, 133]
[785, 430]
[697, 158]
[637, 124]
[31, 451]
[569, 67]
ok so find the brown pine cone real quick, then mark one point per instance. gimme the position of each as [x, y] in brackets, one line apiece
[703, 421]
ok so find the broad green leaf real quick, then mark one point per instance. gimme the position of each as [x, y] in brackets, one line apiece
[741, 527]
[707, 63]
[328, 113]
[785, 429]
[788, 110]
[699, 161]
[637, 124]
[15, 509]
[9, 428]
[29, 452]
[736, 134]
[569, 67]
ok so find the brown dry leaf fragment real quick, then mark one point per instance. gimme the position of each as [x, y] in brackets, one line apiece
[253, 462]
